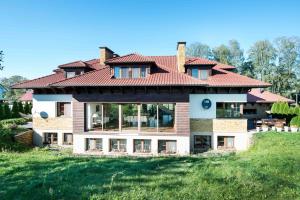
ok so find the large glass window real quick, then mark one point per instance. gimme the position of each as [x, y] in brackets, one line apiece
[149, 117]
[166, 116]
[110, 117]
[130, 71]
[226, 142]
[94, 116]
[125, 72]
[117, 145]
[142, 146]
[202, 143]
[129, 117]
[63, 109]
[167, 146]
[135, 72]
[94, 144]
[228, 110]
[195, 72]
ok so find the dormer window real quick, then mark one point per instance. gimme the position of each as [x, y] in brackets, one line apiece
[199, 73]
[130, 71]
[70, 74]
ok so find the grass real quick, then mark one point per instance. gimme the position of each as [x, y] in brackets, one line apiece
[269, 170]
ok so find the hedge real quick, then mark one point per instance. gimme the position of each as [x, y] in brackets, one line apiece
[18, 121]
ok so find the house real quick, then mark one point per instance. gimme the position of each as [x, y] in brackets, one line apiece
[26, 97]
[259, 104]
[3, 90]
[136, 104]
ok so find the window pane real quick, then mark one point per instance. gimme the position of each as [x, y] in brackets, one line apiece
[143, 72]
[167, 146]
[228, 110]
[225, 142]
[195, 72]
[68, 138]
[202, 143]
[149, 117]
[129, 117]
[94, 116]
[94, 144]
[110, 117]
[135, 72]
[50, 138]
[203, 74]
[117, 72]
[118, 145]
[63, 109]
[166, 114]
[142, 146]
[70, 74]
[124, 72]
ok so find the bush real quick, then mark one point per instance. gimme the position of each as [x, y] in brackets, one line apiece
[17, 121]
[15, 110]
[6, 110]
[27, 109]
[20, 107]
[295, 121]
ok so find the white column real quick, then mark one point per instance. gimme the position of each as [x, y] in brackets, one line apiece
[154, 146]
[129, 145]
[105, 143]
[214, 141]
[60, 138]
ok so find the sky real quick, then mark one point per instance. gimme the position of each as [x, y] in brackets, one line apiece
[38, 35]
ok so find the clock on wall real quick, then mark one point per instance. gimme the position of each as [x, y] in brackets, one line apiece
[206, 103]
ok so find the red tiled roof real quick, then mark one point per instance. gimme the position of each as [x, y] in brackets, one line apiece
[102, 77]
[200, 61]
[223, 66]
[224, 78]
[27, 96]
[78, 63]
[259, 96]
[130, 58]
[40, 82]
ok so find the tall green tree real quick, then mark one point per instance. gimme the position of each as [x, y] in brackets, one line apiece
[263, 55]
[1, 60]
[1, 112]
[12, 94]
[21, 107]
[222, 54]
[236, 54]
[201, 50]
[7, 111]
[27, 109]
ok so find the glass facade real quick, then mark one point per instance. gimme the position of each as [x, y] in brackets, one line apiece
[129, 117]
[228, 110]
[149, 117]
[166, 115]
[110, 117]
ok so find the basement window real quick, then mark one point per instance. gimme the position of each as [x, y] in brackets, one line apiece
[68, 138]
[225, 142]
[50, 138]
[167, 146]
[94, 144]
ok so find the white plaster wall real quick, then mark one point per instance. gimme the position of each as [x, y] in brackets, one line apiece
[183, 143]
[47, 103]
[241, 140]
[197, 111]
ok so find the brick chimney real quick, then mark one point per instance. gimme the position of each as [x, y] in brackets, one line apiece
[105, 54]
[181, 56]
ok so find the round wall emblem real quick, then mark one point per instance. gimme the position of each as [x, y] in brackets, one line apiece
[206, 103]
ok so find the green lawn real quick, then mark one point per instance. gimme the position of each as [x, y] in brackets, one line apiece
[269, 170]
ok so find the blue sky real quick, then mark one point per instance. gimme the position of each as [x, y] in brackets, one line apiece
[37, 36]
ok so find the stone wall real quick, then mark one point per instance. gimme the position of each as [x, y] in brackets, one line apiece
[25, 137]
[53, 123]
[218, 125]
[201, 125]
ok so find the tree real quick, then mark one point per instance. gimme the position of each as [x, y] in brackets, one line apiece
[1, 112]
[26, 108]
[15, 110]
[7, 112]
[236, 54]
[222, 54]
[21, 107]
[1, 60]
[198, 49]
[12, 94]
[262, 54]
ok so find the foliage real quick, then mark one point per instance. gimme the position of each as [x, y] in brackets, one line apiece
[13, 94]
[200, 50]
[1, 60]
[27, 108]
[15, 110]
[295, 121]
[21, 107]
[269, 170]
[18, 121]
[7, 112]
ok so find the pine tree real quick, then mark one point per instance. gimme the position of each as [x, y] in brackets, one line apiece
[1, 112]
[7, 112]
[26, 108]
[20, 107]
[15, 110]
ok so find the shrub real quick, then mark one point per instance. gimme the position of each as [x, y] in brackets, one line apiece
[7, 112]
[285, 108]
[274, 109]
[295, 121]
[1, 112]
[18, 121]
[27, 109]
[20, 107]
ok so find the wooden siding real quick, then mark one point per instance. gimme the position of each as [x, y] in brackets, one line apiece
[182, 120]
[78, 117]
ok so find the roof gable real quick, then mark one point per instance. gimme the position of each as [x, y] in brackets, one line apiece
[130, 58]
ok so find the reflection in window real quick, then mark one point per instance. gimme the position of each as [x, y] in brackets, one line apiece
[195, 72]
[68, 138]
[142, 146]
[167, 146]
[149, 117]
[117, 145]
[117, 72]
[226, 142]
[166, 113]
[228, 110]
[203, 74]
[63, 109]
[135, 72]
[202, 143]
[110, 117]
[94, 144]
[129, 117]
